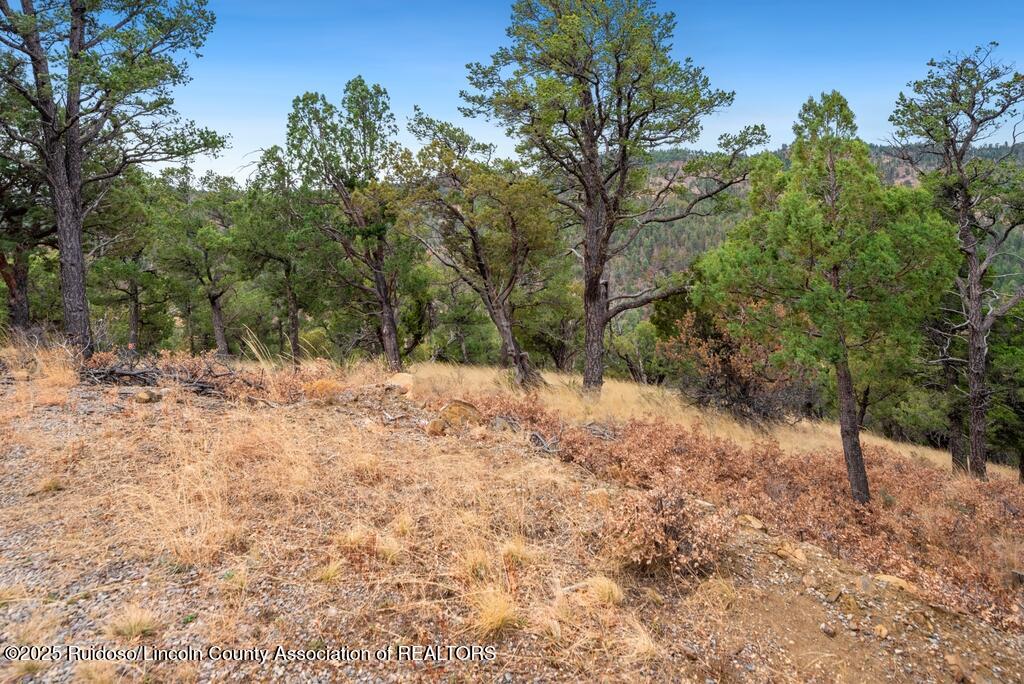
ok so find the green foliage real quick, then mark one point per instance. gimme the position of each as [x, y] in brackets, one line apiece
[832, 263]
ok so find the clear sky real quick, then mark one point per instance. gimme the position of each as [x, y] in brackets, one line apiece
[262, 53]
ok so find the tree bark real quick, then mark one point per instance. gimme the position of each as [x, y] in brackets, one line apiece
[526, 375]
[67, 207]
[293, 321]
[134, 317]
[218, 325]
[595, 317]
[388, 322]
[850, 431]
[15, 275]
[977, 361]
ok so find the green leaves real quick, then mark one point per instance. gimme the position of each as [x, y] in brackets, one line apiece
[831, 260]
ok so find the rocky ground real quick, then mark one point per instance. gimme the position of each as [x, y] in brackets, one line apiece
[408, 527]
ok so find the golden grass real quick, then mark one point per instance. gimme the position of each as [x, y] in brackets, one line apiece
[622, 400]
[603, 591]
[133, 622]
[440, 538]
[494, 612]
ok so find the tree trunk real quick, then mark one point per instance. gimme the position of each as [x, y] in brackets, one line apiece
[15, 275]
[595, 316]
[526, 375]
[388, 323]
[293, 322]
[850, 431]
[218, 326]
[977, 358]
[134, 317]
[68, 211]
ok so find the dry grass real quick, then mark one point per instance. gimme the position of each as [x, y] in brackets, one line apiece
[354, 527]
[621, 401]
[603, 591]
[494, 612]
[132, 623]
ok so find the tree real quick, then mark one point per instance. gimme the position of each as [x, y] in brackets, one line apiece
[25, 224]
[832, 263]
[277, 230]
[196, 242]
[966, 99]
[348, 156]
[489, 222]
[95, 77]
[590, 90]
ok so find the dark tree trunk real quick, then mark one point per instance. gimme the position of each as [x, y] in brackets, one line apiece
[293, 321]
[862, 412]
[388, 322]
[134, 317]
[525, 374]
[595, 317]
[67, 207]
[219, 334]
[15, 275]
[850, 431]
[977, 358]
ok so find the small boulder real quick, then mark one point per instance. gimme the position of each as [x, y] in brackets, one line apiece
[897, 582]
[751, 522]
[436, 427]
[147, 396]
[792, 553]
[460, 413]
[401, 383]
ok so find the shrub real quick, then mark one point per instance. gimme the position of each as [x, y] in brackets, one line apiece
[661, 530]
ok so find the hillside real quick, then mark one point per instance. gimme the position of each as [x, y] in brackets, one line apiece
[669, 248]
[248, 508]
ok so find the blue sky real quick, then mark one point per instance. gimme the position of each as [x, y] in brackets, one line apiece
[263, 53]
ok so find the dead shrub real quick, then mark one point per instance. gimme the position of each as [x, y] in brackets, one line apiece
[660, 530]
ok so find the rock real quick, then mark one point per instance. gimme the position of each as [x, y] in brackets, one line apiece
[459, 413]
[503, 424]
[898, 582]
[791, 553]
[147, 396]
[864, 583]
[1017, 578]
[849, 604]
[401, 382]
[834, 595]
[436, 427]
[810, 581]
[751, 522]
[828, 630]
[881, 631]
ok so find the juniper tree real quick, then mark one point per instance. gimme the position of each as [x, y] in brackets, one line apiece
[832, 263]
[488, 221]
